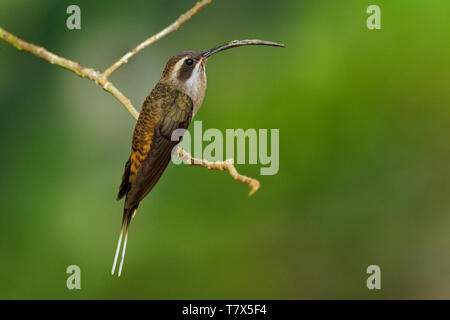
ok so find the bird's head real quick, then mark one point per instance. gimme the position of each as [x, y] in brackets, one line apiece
[186, 70]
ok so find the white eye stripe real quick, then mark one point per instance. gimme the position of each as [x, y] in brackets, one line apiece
[177, 67]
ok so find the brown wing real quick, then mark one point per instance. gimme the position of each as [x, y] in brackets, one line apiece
[165, 110]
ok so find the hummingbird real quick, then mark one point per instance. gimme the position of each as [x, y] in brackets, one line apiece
[171, 105]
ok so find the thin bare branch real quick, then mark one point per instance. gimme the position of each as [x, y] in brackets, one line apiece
[73, 66]
[169, 29]
[102, 80]
[227, 165]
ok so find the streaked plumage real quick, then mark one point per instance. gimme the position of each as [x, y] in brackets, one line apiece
[165, 110]
[171, 105]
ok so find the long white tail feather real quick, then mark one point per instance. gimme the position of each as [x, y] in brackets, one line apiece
[123, 252]
[126, 220]
[124, 249]
[118, 248]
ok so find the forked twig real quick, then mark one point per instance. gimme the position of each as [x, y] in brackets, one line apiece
[169, 29]
[101, 78]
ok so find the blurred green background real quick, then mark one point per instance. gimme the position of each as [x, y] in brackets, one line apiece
[364, 153]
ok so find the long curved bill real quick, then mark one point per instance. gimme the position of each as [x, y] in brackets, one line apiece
[239, 43]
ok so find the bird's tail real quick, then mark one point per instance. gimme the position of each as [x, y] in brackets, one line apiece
[127, 215]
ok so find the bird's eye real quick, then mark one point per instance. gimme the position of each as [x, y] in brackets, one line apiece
[189, 62]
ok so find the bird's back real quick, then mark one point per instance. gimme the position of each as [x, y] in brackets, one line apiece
[164, 110]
